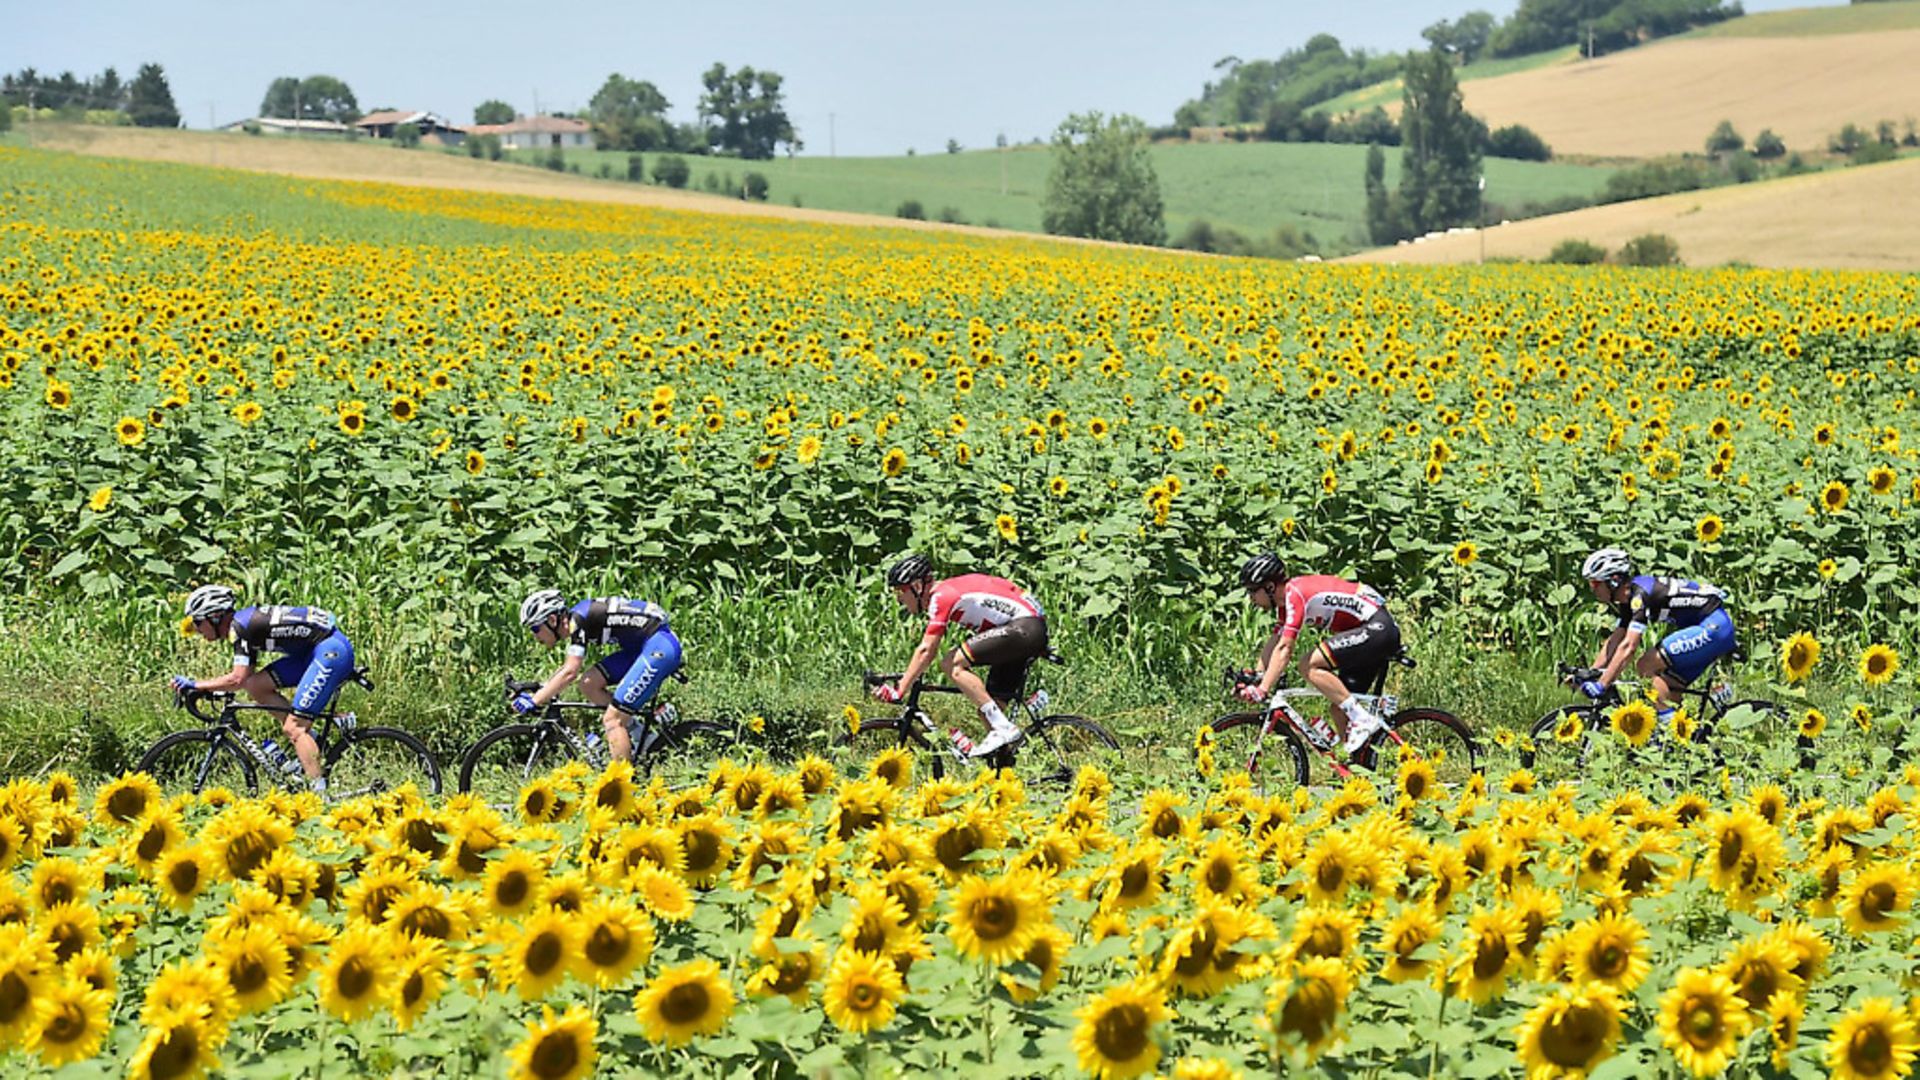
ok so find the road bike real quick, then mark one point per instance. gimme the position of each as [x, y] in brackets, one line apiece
[1438, 736]
[1560, 744]
[504, 759]
[355, 759]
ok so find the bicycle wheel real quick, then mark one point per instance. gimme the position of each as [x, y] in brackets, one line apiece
[196, 760]
[1433, 734]
[1240, 745]
[370, 760]
[506, 758]
[877, 736]
[1552, 758]
[679, 748]
[1056, 747]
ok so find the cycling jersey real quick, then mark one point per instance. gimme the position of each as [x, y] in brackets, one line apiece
[1672, 601]
[1326, 602]
[271, 628]
[977, 602]
[616, 621]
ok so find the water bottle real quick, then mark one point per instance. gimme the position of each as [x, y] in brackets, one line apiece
[1319, 732]
[596, 746]
[666, 715]
[1388, 705]
[346, 721]
[960, 741]
[1721, 696]
[1037, 704]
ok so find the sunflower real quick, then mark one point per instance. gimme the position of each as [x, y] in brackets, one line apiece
[557, 1048]
[353, 423]
[1409, 945]
[683, 1002]
[1878, 665]
[131, 431]
[1876, 898]
[255, 965]
[1784, 1014]
[537, 958]
[247, 412]
[1880, 480]
[1709, 529]
[1488, 956]
[1635, 722]
[1570, 727]
[1114, 1039]
[1135, 879]
[1306, 1007]
[1702, 1020]
[705, 850]
[1874, 1041]
[355, 975]
[614, 791]
[1812, 723]
[664, 895]
[1833, 497]
[1008, 529]
[1610, 949]
[893, 463]
[791, 967]
[1205, 956]
[1046, 955]
[177, 1046]
[1798, 656]
[1760, 968]
[1416, 779]
[1464, 553]
[70, 1021]
[126, 800]
[861, 991]
[1057, 487]
[1569, 1032]
[512, 882]
[894, 767]
[418, 982]
[994, 919]
[475, 462]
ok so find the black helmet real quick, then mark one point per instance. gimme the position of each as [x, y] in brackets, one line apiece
[1263, 569]
[911, 568]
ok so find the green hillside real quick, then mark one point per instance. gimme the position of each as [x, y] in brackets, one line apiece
[1388, 93]
[1811, 22]
[1253, 188]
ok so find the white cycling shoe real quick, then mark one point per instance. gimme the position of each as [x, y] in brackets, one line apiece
[1361, 730]
[996, 739]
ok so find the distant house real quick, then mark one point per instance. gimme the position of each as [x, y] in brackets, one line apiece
[538, 133]
[432, 126]
[281, 125]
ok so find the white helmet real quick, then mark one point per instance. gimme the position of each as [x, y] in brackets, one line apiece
[209, 602]
[1607, 564]
[541, 605]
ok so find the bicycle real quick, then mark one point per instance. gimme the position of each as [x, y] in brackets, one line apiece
[355, 760]
[1560, 744]
[1060, 743]
[504, 759]
[1435, 734]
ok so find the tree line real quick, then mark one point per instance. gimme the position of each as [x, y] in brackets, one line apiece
[146, 101]
[740, 112]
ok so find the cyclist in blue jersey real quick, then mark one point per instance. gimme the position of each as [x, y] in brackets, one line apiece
[645, 652]
[1701, 626]
[316, 661]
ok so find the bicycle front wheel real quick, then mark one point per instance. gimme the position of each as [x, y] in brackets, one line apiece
[1276, 761]
[898, 733]
[368, 761]
[193, 761]
[506, 758]
[1056, 748]
[1433, 735]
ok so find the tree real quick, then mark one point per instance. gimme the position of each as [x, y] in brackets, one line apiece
[744, 112]
[1439, 147]
[1464, 39]
[753, 187]
[1725, 140]
[953, 146]
[1102, 184]
[107, 91]
[316, 97]
[1520, 143]
[1384, 223]
[406, 135]
[493, 111]
[671, 170]
[1652, 249]
[1767, 145]
[150, 100]
[282, 98]
[629, 114]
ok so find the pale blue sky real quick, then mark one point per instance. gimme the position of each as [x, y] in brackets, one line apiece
[869, 76]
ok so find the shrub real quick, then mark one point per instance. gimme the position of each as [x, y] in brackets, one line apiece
[710, 181]
[1652, 249]
[1577, 253]
[636, 168]
[1725, 140]
[951, 215]
[605, 170]
[1767, 145]
[556, 160]
[1654, 178]
[1875, 152]
[671, 170]
[1519, 142]
[407, 135]
[1742, 167]
[251, 127]
[911, 210]
[753, 187]
[1847, 140]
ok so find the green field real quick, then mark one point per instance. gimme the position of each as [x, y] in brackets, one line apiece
[1802, 22]
[1253, 188]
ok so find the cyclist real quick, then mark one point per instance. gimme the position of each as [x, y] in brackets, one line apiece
[645, 652]
[1702, 627]
[316, 660]
[1361, 639]
[1007, 633]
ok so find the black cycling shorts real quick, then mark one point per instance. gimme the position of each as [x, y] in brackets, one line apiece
[1008, 650]
[1359, 655]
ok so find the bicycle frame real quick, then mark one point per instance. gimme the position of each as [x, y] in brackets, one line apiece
[1281, 705]
[228, 720]
[937, 740]
[554, 714]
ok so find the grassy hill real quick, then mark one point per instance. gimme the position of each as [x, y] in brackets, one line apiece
[1387, 94]
[1865, 218]
[1253, 188]
[1811, 22]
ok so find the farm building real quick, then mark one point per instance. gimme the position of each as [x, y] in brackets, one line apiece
[432, 126]
[282, 125]
[538, 132]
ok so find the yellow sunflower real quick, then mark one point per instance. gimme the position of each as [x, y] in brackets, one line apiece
[177, 1046]
[1702, 1020]
[1878, 665]
[862, 990]
[1305, 1008]
[557, 1048]
[70, 1021]
[1569, 1032]
[1709, 529]
[1635, 722]
[1465, 553]
[1798, 656]
[1833, 497]
[1115, 1039]
[683, 1002]
[131, 431]
[1874, 1041]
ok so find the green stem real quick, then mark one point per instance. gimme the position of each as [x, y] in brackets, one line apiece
[986, 1013]
[1433, 1056]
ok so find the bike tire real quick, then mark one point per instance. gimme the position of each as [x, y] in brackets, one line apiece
[876, 736]
[192, 761]
[1435, 734]
[1551, 760]
[1055, 749]
[505, 759]
[1238, 736]
[373, 760]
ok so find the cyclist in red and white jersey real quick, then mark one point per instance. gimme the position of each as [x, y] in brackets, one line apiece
[1007, 632]
[1361, 638]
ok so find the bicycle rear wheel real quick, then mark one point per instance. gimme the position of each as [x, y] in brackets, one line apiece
[1558, 743]
[1437, 736]
[506, 758]
[371, 760]
[1057, 747]
[897, 733]
[1277, 762]
[193, 761]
